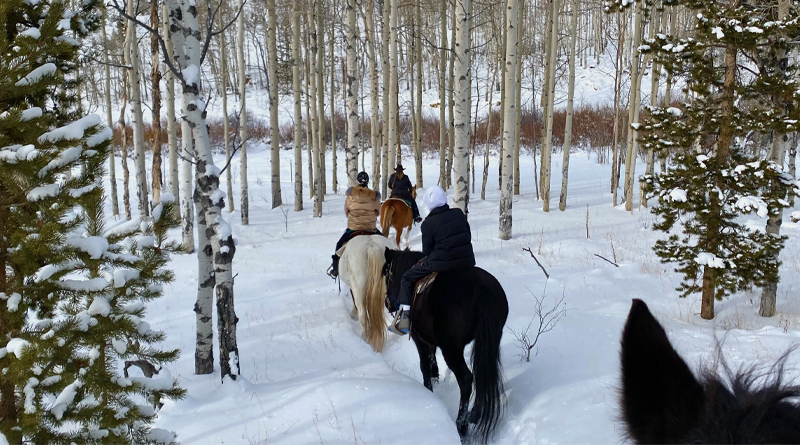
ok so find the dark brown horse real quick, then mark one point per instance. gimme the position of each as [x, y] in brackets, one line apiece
[396, 213]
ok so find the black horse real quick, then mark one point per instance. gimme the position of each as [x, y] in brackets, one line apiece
[663, 402]
[462, 305]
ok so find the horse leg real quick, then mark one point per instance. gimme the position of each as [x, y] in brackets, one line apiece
[434, 366]
[424, 362]
[399, 231]
[454, 357]
[354, 311]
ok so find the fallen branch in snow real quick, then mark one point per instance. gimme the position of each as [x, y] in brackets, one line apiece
[528, 249]
[602, 257]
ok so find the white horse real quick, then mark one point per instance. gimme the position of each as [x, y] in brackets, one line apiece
[361, 267]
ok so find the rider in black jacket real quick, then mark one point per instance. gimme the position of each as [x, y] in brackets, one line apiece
[400, 187]
[446, 243]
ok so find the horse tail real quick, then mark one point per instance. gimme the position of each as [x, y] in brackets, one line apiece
[374, 299]
[386, 219]
[487, 369]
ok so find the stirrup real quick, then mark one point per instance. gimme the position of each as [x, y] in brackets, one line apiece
[330, 273]
[393, 325]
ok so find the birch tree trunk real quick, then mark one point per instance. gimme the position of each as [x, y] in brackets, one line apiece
[331, 44]
[136, 117]
[462, 107]
[353, 135]
[617, 109]
[320, 76]
[298, 113]
[419, 84]
[547, 143]
[655, 77]
[172, 130]
[518, 113]
[315, 117]
[488, 135]
[375, 144]
[223, 91]
[155, 81]
[126, 194]
[507, 185]
[112, 165]
[443, 98]
[450, 98]
[184, 21]
[393, 91]
[633, 108]
[244, 206]
[386, 89]
[562, 201]
[779, 139]
[274, 129]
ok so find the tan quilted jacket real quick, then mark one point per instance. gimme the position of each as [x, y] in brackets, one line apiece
[362, 207]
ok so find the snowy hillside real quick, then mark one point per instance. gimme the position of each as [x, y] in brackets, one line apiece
[307, 377]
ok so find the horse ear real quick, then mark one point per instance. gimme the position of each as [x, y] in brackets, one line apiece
[388, 254]
[661, 400]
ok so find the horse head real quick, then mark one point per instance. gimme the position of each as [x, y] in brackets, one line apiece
[663, 402]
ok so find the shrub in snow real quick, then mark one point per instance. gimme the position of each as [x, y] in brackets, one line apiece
[72, 313]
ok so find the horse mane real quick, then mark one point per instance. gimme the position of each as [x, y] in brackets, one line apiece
[406, 259]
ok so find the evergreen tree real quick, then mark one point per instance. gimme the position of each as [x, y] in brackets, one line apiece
[714, 182]
[73, 293]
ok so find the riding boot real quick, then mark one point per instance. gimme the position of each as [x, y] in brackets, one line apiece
[333, 270]
[401, 323]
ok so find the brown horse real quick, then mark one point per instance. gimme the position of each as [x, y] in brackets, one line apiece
[396, 213]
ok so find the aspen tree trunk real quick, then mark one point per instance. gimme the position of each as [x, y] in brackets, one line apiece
[315, 117]
[136, 117]
[331, 42]
[172, 130]
[518, 113]
[418, 140]
[462, 107]
[298, 113]
[779, 139]
[155, 81]
[655, 76]
[320, 77]
[504, 43]
[633, 108]
[488, 134]
[275, 134]
[562, 201]
[412, 67]
[374, 135]
[617, 108]
[547, 143]
[507, 187]
[184, 22]
[443, 98]
[393, 90]
[386, 43]
[112, 166]
[244, 206]
[450, 98]
[126, 194]
[353, 135]
[223, 62]
[792, 164]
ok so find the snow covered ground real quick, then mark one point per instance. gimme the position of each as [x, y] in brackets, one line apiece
[307, 377]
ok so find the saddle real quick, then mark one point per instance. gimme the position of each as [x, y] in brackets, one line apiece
[404, 200]
[423, 285]
[355, 234]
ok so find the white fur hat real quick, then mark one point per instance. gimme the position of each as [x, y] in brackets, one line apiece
[434, 197]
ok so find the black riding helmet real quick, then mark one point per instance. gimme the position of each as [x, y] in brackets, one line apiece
[363, 179]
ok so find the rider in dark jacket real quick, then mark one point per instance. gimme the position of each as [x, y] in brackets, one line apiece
[400, 187]
[446, 243]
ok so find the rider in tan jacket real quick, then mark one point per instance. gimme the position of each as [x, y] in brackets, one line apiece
[362, 207]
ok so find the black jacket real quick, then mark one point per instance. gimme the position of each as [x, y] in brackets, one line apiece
[447, 240]
[400, 187]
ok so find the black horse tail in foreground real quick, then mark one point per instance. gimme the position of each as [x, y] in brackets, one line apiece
[663, 402]
[462, 305]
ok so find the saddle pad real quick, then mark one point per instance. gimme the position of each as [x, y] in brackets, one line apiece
[425, 283]
[353, 235]
[404, 201]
